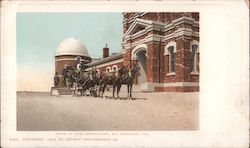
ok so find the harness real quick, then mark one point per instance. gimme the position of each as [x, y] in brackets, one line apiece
[116, 74]
[129, 73]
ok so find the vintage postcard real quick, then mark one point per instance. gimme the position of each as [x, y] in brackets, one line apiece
[124, 74]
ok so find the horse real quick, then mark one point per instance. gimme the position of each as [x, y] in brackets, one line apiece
[129, 80]
[111, 80]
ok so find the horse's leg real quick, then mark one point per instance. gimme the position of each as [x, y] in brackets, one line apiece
[118, 90]
[97, 92]
[75, 90]
[90, 92]
[73, 93]
[114, 87]
[103, 89]
[83, 92]
[128, 91]
[131, 86]
[80, 90]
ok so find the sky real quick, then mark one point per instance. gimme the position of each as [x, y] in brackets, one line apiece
[39, 34]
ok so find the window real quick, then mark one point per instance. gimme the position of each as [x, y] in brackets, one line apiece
[194, 58]
[98, 71]
[108, 69]
[171, 59]
[169, 52]
[114, 68]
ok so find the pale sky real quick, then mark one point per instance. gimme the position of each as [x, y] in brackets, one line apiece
[39, 34]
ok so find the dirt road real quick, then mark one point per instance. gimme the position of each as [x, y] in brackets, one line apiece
[149, 111]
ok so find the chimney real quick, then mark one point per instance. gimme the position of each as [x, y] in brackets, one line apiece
[105, 51]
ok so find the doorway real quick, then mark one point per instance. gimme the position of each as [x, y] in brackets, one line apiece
[141, 57]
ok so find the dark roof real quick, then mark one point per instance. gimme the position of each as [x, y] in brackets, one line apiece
[105, 60]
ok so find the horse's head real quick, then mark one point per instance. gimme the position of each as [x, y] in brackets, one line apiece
[120, 71]
[135, 70]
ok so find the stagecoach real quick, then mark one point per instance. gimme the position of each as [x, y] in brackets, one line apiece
[93, 85]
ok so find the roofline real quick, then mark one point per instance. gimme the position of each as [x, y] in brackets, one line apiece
[72, 55]
[107, 59]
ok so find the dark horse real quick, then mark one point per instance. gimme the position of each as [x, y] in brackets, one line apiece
[112, 80]
[128, 79]
[123, 76]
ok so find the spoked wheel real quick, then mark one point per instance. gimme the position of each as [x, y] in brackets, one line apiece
[75, 89]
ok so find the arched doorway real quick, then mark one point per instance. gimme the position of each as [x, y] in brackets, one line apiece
[139, 54]
[143, 67]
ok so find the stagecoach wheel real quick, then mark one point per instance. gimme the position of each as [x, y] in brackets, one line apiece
[87, 93]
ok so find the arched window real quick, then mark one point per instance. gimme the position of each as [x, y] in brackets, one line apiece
[108, 69]
[170, 50]
[194, 49]
[98, 71]
[171, 59]
[114, 68]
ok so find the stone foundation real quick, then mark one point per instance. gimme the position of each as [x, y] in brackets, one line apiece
[177, 89]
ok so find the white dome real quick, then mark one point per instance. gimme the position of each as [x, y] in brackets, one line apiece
[72, 46]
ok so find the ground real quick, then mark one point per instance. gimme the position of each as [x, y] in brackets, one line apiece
[147, 112]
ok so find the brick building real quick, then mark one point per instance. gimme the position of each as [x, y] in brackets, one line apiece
[166, 47]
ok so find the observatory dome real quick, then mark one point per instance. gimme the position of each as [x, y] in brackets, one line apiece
[72, 46]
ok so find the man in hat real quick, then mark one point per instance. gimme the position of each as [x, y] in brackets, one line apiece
[82, 66]
[79, 67]
[64, 73]
[56, 80]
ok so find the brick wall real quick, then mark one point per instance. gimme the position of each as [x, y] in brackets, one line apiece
[103, 69]
[164, 17]
[178, 89]
[158, 63]
[60, 64]
[60, 61]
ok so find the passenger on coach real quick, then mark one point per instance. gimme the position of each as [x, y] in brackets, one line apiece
[78, 67]
[82, 66]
